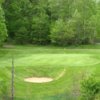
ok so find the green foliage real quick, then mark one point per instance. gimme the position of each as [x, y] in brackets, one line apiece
[40, 24]
[27, 21]
[17, 15]
[62, 32]
[97, 21]
[90, 88]
[87, 10]
[40, 30]
[22, 36]
[38, 21]
[3, 30]
[77, 25]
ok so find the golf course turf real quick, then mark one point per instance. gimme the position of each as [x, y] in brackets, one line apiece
[67, 66]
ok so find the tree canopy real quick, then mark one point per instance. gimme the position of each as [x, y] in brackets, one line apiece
[62, 22]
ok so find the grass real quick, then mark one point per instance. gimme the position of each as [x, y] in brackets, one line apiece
[49, 61]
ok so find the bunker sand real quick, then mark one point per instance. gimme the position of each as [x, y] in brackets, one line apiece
[38, 79]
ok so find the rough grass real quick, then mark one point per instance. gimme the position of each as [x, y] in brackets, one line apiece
[49, 61]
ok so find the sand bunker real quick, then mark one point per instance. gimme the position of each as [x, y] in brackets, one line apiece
[43, 79]
[38, 79]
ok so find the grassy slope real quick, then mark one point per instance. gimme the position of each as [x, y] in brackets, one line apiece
[50, 61]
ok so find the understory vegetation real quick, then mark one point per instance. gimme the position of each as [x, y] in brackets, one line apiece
[90, 88]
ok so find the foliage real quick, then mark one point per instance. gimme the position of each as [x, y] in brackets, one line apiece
[22, 36]
[40, 31]
[90, 88]
[62, 32]
[97, 20]
[27, 21]
[40, 24]
[38, 21]
[79, 21]
[3, 30]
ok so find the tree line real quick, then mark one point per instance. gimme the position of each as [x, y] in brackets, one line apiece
[61, 22]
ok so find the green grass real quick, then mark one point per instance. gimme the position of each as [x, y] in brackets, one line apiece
[49, 61]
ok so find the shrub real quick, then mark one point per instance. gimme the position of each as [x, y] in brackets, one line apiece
[90, 88]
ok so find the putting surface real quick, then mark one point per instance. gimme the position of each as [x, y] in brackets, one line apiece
[61, 67]
[54, 59]
[64, 59]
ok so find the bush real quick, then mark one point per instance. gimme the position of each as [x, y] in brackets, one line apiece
[90, 88]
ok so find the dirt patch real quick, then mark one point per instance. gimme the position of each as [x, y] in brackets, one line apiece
[8, 46]
[38, 79]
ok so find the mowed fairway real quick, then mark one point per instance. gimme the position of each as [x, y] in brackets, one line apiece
[67, 66]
